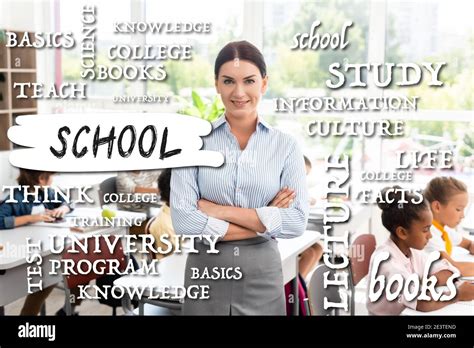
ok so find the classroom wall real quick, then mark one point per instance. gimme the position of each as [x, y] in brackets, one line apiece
[14, 17]
[38, 18]
[8, 174]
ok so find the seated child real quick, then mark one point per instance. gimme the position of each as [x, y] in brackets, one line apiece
[448, 198]
[163, 224]
[310, 257]
[21, 213]
[409, 226]
[137, 182]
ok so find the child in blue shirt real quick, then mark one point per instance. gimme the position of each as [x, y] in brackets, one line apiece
[19, 213]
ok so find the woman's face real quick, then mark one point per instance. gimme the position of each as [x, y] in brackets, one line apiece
[419, 232]
[452, 213]
[241, 86]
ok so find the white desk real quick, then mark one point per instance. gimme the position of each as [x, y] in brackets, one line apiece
[172, 268]
[458, 308]
[360, 214]
[468, 223]
[13, 266]
[461, 254]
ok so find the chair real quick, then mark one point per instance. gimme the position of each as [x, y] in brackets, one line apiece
[317, 292]
[73, 280]
[151, 255]
[107, 186]
[171, 269]
[167, 304]
[359, 258]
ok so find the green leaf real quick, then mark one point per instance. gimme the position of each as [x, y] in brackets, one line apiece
[191, 111]
[198, 102]
[201, 107]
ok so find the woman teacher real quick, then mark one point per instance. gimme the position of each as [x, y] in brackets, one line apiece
[258, 194]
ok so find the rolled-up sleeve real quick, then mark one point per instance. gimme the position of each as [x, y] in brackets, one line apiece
[187, 218]
[7, 218]
[440, 264]
[289, 222]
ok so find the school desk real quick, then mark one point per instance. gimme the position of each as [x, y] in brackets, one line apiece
[13, 263]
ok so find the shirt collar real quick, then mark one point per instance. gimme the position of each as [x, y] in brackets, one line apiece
[261, 123]
[397, 253]
[438, 226]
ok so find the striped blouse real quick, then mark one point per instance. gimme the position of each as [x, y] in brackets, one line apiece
[249, 178]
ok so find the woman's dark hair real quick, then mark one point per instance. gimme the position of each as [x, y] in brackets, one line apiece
[164, 185]
[242, 50]
[30, 177]
[399, 214]
[442, 188]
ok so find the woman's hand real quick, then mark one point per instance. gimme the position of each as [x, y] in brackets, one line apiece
[283, 199]
[209, 208]
[58, 212]
[466, 292]
[465, 268]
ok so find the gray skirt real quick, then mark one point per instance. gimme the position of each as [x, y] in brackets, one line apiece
[260, 290]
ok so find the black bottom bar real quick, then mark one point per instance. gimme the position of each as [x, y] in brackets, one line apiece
[382, 331]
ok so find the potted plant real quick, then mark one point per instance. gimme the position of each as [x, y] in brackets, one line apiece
[202, 107]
